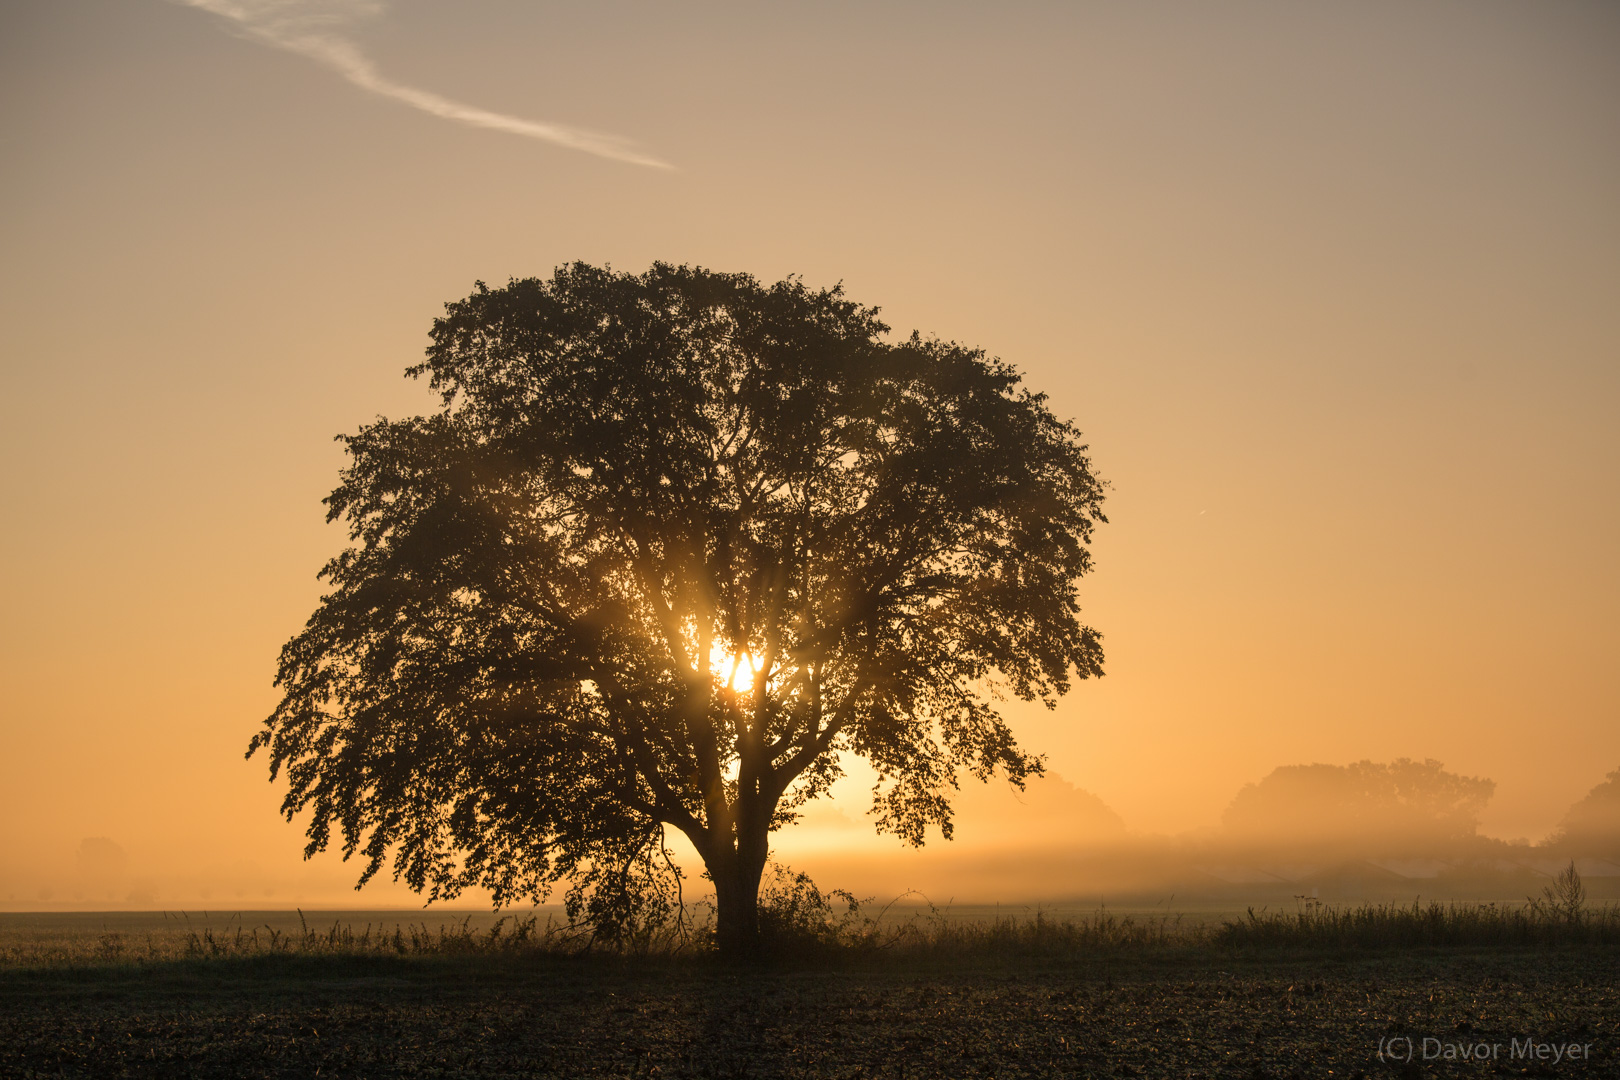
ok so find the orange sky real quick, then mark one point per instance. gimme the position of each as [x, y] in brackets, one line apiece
[1331, 291]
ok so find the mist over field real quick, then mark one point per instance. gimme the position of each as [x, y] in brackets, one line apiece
[1329, 292]
[1365, 831]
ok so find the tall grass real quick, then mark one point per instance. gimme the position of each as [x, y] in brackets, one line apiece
[1390, 926]
[512, 935]
[801, 923]
[1559, 916]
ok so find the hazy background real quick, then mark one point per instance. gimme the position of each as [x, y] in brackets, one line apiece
[1331, 289]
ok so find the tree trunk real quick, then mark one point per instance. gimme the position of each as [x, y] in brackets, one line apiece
[736, 864]
[736, 893]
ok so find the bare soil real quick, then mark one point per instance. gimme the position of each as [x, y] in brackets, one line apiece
[1192, 1016]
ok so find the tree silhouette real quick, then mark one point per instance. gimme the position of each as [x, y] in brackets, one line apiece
[1404, 806]
[1592, 825]
[673, 544]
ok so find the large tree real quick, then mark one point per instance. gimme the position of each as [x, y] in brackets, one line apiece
[673, 544]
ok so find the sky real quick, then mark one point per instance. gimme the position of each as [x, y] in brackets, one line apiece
[1329, 288]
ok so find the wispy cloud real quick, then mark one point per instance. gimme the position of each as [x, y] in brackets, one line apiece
[316, 29]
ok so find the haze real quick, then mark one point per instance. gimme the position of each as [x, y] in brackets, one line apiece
[1331, 291]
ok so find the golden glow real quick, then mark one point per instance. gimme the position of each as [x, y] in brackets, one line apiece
[1329, 288]
[737, 671]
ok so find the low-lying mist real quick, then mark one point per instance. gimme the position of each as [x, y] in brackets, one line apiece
[1364, 831]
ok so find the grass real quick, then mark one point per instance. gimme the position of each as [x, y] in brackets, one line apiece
[818, 934]
[1392, 926]
[186, 942]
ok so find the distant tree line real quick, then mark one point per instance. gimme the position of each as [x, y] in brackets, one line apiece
[1399, 808]
[1592, 826]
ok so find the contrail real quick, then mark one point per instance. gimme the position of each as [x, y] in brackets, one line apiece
[313, 28]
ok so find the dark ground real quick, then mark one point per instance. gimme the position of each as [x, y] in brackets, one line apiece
[1196, 1015]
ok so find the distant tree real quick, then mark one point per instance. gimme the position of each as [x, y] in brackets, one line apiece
[1403, 805]
[1592, 825]
[101, 858]
[673, 544]
[1046, 813]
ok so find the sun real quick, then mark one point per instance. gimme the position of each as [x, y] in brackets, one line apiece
[736, 670]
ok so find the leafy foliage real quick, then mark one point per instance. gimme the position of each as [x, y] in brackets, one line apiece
[673, 544]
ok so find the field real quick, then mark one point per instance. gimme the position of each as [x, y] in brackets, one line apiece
[1103, 996]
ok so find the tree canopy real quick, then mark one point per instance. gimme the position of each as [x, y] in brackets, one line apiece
[673, 544]
[1402, 806]
[1592, 825]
